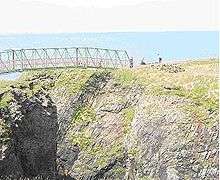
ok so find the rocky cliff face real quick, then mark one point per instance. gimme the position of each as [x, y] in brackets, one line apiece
[156, 122]
[33, 125]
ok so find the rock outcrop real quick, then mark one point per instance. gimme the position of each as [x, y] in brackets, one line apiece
[171, 144]
[155, 123]
[33, 147]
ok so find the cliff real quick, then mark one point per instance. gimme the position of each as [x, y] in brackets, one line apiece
[152, 122]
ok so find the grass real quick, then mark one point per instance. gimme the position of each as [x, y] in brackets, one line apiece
[5, 100]
[124, 77]
[128, 118]
[73, 80]
[5, 85]
[198, 83]
[103, 155]
[7, 97]
[4, 132]
[84, 116]
[81, 139]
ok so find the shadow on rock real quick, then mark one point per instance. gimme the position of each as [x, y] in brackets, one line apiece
[32, 148]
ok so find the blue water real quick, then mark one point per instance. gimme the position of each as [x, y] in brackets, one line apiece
[10, 76]
[170, 45]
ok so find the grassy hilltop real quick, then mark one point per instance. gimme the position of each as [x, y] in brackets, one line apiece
[149, 122]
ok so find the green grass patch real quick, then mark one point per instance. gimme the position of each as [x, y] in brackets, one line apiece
[105, 154]
[5, 85]
[5, 100]
[4, 132]
[124, 76]
[84, 116]
[128, 118]
[73, 80]
[81, 139]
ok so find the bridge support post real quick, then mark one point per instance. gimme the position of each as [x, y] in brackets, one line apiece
[13, 60]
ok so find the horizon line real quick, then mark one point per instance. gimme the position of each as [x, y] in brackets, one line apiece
[103, 32]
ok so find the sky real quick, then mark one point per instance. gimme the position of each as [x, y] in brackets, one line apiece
[58, 16]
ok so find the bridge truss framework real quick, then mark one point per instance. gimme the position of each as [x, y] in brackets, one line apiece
[23, 59]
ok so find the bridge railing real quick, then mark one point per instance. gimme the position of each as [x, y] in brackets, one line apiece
[22, 59]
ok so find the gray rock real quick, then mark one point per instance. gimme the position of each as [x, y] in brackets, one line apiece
[34, 129]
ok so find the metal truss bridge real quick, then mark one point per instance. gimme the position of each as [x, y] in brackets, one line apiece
[25, 59]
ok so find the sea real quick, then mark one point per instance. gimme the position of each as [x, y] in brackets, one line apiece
[171, 45]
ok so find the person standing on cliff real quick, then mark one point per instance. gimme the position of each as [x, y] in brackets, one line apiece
[131, 61]
[159, 58]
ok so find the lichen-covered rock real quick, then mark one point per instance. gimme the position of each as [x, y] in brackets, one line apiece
[171, 144]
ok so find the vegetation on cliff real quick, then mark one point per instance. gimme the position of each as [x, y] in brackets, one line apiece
[147, 122]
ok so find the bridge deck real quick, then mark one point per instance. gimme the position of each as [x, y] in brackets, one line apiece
[23, 59]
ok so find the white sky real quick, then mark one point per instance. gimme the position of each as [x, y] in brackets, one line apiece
[51, 16]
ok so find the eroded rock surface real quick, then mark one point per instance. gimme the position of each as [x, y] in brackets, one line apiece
[34, 126]
[171, 144]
